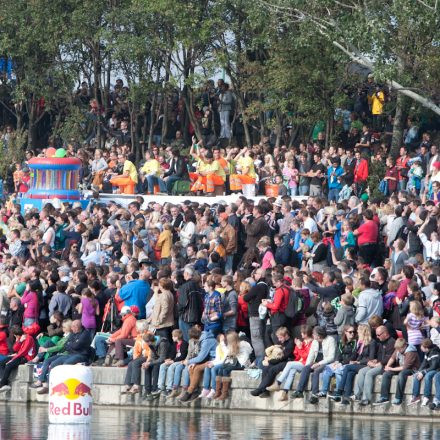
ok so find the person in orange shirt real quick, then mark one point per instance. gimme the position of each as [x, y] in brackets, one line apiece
[17, 176]
[209, 173]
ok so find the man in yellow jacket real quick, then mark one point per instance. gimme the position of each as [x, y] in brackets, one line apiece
[209, 174]
[150, 173]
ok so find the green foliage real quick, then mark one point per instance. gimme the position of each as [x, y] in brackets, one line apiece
[376, 171]
[13, 153]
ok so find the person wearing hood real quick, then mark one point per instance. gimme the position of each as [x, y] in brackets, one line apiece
[403, 362]
[369, 302]
[160, 349]
[24, 351]
[197, 365]
[427, 372]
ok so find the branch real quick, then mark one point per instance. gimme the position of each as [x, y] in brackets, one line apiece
[432, 8]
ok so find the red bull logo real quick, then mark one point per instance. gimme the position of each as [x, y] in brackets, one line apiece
[71, 389]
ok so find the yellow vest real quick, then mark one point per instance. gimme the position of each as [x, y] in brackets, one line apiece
[130, 168]
[247, 162]
[152, 166]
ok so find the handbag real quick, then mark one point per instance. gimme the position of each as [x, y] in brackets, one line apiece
[231, 361]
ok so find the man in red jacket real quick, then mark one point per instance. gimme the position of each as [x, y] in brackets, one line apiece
[277, 306]
[24, 349]
[360, 173]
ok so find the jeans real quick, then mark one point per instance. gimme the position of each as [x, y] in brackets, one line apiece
[168, 376]
[184, 326]
[68, 359]
[304, 190]
[328, 373]
[6, 370]
[402, 376]
[228, 264]
[365, 382]
[225, 130]
[42, 377]
[154, 180]
[288, 375]
[256, 330]
[401, 184]
[151, 377]
[333, 194]
[427, 390]
[269, 374]
[304, 378]
[101, 345]
[293, 190]
[3, 357]
[345, 386]
[209, 376]
[170, 182]
[133, 374]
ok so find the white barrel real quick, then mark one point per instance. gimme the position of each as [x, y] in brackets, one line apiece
[75, 431]
[70, 394]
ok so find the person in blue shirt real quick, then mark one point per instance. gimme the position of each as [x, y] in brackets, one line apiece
[135, 293]
[334, 173]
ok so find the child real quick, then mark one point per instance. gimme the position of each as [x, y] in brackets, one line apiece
[201, 264]
[291, 177]
[414, 322]
[428, 369]
[389, 298]
[167, 369]
[345, 314]
[17, 175]
[326, 318]
[415, 175]
[180, 369]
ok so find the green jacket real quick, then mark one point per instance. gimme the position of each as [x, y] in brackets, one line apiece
[58, 347]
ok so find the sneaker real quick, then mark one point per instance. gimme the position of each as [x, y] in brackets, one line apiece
[156, 393]
[425, 401]
[414, 400]
[381, 401]
[44, 390]
[433, 406]
[193, 396]
[396, 402]
[149, 397]
[336, 396]
[174, 393]
[5, 388]
[345, 401]
[264, 394]
[297, 395]
[364, 402]
[274, 387]
[184, 397]
[256, 392]
[355, 398]
[204, 394]
[211, 394]
[99, 362]
[321, 395]
[35, 385]
[313, 399]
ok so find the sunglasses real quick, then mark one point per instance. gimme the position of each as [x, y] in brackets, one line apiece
[349, 331]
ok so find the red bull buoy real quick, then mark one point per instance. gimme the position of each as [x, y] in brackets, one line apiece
[70, 394]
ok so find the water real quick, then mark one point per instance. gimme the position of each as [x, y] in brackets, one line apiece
[20, 422]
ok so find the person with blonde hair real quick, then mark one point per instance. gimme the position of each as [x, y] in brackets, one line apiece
[365, 352]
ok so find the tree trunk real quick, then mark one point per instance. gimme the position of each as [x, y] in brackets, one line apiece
[399, 124]
[278, 128]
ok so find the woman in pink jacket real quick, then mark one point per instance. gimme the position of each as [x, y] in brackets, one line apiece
[30, 303]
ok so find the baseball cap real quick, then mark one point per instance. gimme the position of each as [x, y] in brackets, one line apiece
[125, 310]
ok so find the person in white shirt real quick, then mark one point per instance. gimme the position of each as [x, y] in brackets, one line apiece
[431, 248]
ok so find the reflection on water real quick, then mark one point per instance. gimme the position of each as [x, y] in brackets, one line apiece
[19, 422]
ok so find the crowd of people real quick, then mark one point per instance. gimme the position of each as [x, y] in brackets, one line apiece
[335, 285]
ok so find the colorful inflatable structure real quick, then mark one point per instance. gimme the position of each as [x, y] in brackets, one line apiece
[53, 177]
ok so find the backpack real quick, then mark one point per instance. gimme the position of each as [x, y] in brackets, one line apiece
[295, 304]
